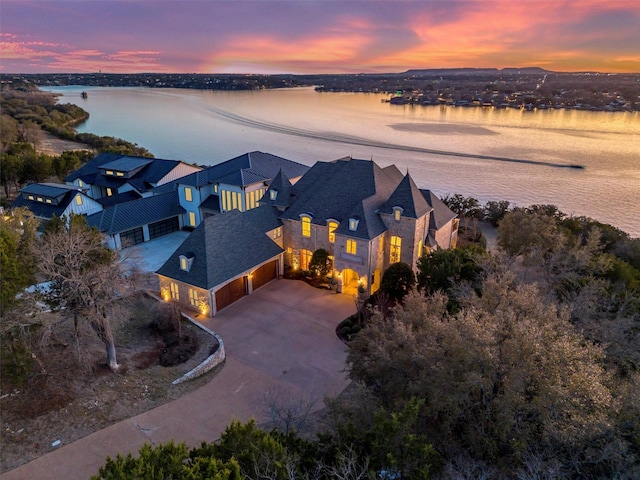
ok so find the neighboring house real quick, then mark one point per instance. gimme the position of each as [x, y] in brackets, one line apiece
[225, 258]
[111, 174]
[46, 200]
[136, 221]
[365, 216]
[236, 184]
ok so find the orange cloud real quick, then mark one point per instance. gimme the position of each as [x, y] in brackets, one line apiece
[270, 52]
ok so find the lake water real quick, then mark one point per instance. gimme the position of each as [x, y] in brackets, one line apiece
[505, 154]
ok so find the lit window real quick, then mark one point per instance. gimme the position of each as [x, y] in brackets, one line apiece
[420, 248]
[48, 200]
[109, 172]
[273, 194]
[352, 246]
[306, 226]
[332, 231]
[185, 263]
[78, 200]
[40, 199]
[277, 233]
[193, 297]
[215, 188]
[353, 224]
[80, 183]
[30, 197]
[109, 192]
[175, 292]
[192, 219]
[305, 259]
[396, 244]
[397, 211]
[187, 194]
[119, 174]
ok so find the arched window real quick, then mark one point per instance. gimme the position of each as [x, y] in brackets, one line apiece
[332, 229]
[396, 245]
[306, 227]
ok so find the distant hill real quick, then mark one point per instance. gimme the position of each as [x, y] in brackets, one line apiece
[480, 71]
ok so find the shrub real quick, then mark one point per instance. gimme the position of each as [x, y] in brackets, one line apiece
[397, 280]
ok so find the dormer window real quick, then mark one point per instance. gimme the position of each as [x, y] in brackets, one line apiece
[30, 197]
[119, 174]
[109, 172]
[397, 213]
[186, 262]
[273, 194]
[80, 183]
[353, 224]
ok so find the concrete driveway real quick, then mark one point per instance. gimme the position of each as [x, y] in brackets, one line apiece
[280, 344]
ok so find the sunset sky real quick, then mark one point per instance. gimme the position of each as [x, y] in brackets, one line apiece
[323, 36]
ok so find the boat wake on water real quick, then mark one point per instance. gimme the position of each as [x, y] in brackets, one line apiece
[352, 140]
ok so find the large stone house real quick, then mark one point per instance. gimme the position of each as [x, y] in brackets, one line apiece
[365, 216]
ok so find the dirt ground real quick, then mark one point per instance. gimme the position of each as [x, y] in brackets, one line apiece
[53, 405]
[55, 146]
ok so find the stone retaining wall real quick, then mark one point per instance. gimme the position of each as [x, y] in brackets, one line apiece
[210, 362]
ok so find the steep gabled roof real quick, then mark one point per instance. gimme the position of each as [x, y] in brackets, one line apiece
[224, 247]
[125, 216]
[282, 186]
[344, 189]
[408, 197]
[441, 214]
[245, 170]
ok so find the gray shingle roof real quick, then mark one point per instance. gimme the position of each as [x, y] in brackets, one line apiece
[125, 216]
[224, 247]
[441, 214]
[282, 186]
[343, 189]
[409, 198]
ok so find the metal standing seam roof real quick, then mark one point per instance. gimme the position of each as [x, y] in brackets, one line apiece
[46, 210]
[152, 170]
[51, 190]
[224, 247]
[125, 216]
[244, 170]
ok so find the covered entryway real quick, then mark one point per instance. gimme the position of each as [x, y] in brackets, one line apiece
[349, 281]
[163, 227]
[264, 274]
[231, 292]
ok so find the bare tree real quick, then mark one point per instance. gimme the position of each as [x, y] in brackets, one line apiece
[86, 276]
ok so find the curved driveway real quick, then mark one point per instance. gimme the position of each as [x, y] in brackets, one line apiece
[280, 344]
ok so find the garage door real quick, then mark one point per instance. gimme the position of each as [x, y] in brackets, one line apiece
[264, 274]
[230, 293]
[163, 227]
[131, 237]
